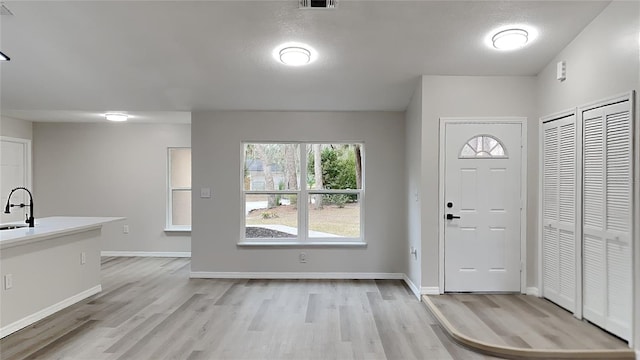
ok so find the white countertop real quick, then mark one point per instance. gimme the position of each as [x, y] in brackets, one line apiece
[51, 227]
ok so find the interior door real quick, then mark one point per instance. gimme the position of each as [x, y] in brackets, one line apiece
[14, 172]
[482, 200]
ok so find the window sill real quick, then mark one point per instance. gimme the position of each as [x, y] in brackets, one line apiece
[302, 244]
[177, 230]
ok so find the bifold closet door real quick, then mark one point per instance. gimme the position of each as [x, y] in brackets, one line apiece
[559, 211]
[607, 217]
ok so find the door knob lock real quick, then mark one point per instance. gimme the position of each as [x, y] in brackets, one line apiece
[451, 217]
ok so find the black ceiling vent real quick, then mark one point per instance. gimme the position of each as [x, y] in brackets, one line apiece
[317, 4]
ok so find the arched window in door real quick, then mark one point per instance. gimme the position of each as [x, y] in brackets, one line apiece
[483, 146]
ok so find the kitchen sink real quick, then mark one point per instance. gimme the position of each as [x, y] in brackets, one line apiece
[12, 226]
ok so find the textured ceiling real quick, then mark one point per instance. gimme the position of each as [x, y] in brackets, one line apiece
[91, 57]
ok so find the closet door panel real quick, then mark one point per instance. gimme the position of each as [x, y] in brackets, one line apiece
[550, 238]
[607, 209]
[559, 211]
[593, 171]
[567, 212]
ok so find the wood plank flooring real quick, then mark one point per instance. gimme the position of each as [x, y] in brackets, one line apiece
[521, 321]
[150, 309]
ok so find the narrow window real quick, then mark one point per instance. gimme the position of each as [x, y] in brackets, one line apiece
[179, 189]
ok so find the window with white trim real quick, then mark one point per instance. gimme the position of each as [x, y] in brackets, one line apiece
[302, 193]
[179, 189]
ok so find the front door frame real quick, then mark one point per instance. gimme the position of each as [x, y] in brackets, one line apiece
[523, 189]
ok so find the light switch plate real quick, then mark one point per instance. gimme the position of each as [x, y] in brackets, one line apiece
[8, 281]
[561, 70]
[205, 193]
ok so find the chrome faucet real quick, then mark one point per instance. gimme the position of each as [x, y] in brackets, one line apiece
[30, 220]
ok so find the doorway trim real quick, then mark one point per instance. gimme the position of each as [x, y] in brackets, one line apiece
[523, 189]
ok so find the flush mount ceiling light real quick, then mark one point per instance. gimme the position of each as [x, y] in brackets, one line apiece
[116, 117]
[510, 39]
[4, 57]
[295, 54]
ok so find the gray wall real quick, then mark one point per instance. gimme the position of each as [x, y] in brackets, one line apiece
[471, 96]
[11, 127]
[602, 61]
[413, 165]
[216, 139]
[95, 169]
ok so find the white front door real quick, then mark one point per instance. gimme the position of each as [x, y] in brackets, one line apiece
[482, 205]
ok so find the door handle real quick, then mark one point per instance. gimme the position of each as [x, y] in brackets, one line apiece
[451, 217]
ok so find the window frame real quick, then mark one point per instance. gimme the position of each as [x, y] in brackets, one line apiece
[169, 226]
[303, 193]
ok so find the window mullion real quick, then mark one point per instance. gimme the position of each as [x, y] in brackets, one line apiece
[169, 215]
[303, 198]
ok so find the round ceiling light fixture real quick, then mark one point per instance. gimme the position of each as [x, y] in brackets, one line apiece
[510, 39]
[295, 54]
[116, 116]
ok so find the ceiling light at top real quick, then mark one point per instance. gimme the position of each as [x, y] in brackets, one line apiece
[510, 39]
[4, 57]
[295, 56]
[116, 117]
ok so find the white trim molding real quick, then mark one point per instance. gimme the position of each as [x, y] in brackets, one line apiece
[180, 254]
[533, 291]
[412, 286]
[295, 275]
[26, 321]
[430, 290]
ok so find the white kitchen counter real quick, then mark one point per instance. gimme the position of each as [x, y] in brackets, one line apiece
[48, 267]
[50, 227]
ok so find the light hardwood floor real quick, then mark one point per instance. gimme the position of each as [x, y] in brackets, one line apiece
[522, 321]
[150, 309]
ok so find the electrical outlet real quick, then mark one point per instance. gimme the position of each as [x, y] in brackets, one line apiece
[8, 281]
[302, 257]
[125, 229]
[83, 258]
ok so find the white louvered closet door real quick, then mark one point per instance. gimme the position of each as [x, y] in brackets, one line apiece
[607, 209]
[559, 211]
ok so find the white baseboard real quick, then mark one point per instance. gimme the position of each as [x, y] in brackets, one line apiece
[533, 291]
[412, 286]
[430, 290]
[293, 275]
[26, 321]
[181, 254]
